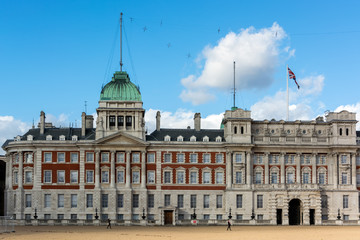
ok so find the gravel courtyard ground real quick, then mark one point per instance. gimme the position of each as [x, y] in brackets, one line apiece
[190, 232]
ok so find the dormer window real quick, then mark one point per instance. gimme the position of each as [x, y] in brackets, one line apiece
[205, 139]
[48, 137]
[180, 138]
[74, 138]
[18, 138]
[167, 138]
[218, 139]
[192, 139]
[30, 137]
[62, 138]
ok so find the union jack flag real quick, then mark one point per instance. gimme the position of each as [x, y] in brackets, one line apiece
[292, 76]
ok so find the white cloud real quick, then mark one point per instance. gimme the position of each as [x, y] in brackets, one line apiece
[300, 107]
[256, 54]
[180, 119]
[351, 108]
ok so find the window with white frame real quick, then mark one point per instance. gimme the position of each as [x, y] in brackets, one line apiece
[206, 201]
[74, 157]
[74, 138]
[151, 157]
[180, 200]
[48, 138]
[274, 178]
[151, 200]
[238, 177]
[62, 138]
[180, 157]
[205, 139]
[47, 176]
[345, 201]
[305, 159]
[167, 138]
[135, 157]
[193, 177]
[219, 158]
[30, 137]
[193, 157]
[167, 176]
[258, 177]
[239, 200]
[89, 200]
[207, 177]
[16, 177]
[305, 177]
[47, 200]
[192, 201]
[320, 159]
[27, 200]
[120, 200]
[74, 200]
[259, 201]
[74, 176]
[29, 158]
[274, 159]
[218, 139]
[61, 157]
[238, 158]
[120, 176]
[289, 159]
[344, 177]
[135, 201]
[290, 175]
[105, 157]
[60, 200]
[219, 177]
[343, 159]
[60, 176]
[180, 176]
[89, 157]
[151, 177]
[136, 176]
[257, 159]
[104, 200]
[206, 158]
[28, 177]
[192, 139]
[219, 201]
[321, 178]
[105, 176]
[120, 157]
[47, 157]
[180, 138]
[167, 200]
[167, 157]
[89, 176]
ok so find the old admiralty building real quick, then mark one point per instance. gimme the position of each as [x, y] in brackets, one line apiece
[256, 172]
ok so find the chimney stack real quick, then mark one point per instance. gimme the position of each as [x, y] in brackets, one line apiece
[197, 121]
[83, 124]
[87, 121]
[158, 116]
[42, 122]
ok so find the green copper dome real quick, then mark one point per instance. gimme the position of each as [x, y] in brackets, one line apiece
[120, 88]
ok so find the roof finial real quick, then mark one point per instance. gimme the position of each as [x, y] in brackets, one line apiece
[121, 64]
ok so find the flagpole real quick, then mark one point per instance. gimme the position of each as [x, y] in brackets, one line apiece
[287, 92]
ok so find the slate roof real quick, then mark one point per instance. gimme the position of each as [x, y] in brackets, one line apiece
[186, 134]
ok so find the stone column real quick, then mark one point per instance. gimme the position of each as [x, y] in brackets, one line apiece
[82, 169]
[127, 178]
[9, 181]
[282, 168]
[266, 168]
[329, 163]
[298, 168]
[353, 169]
[143, 169]
[97, 169]
[249, 169]
[112, 169]
[158, 170]
[37, 169]
[229, 180]
[21, 171]
[335, 169]
[19, 208]
[313, 168]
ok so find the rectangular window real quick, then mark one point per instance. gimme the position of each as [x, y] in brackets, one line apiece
[61, 177]
[346, 217]
[258, 178]
[151, 200]
[345, 201]
[104, 200]
[120, 157]
[74, 176]
[305, 178]
[136, 177]
[47, 157]
[120, 176]
[89, 216]
[135, 201]
[47, 176]
[73, 216]
[74, 157]
[27, 200]
[105, 157]
[192, 201]
[167, 177]
[219, 177]
[105, 176]
[180, 157]
[206, 177]
[218, 217]
[180, 201]
[135, 217]
[344, 178]
[111, 121]
[238, 158]
[260, 217]
[167, 200]
[358, 179]
[239, 217]
[206, 158]
[180, 178]
[27, 216]
[135, 157]
[239, 200]
[274, 178]
[219, 201]
[219, 158]
[193, 177]
[238, 177]
[47, 216]
[120, 121]
[358, 160]
[61, 157]
[74, 200]
[47, 200]
[60, 200]
[180, 217]
[16, 177]
[206, 201]
[259, 201]
[151, 177]
[60, 216]
[128, 121]
[343, 159]
[120, 217]
[290, 178]
[89, 157]
[321, 178]
[206, 216]
[120, 200]
[28, 177]
[89, 176]
[167, 157]
[89, 200]
[151, 157]
[193, 157]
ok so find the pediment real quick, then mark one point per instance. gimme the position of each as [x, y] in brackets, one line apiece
[121, 138]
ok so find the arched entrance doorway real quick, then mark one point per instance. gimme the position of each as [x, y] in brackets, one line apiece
[295, 212]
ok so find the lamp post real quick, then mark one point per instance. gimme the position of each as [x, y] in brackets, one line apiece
[143, 215]
[194, 215]
[338, 216]
[230, 213]
[252, 214]
[35, 215]
[96, 214]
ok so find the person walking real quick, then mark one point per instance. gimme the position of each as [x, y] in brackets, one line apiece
[229, 225]
[109, 223]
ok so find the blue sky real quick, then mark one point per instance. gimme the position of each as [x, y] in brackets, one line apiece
[55, 55]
